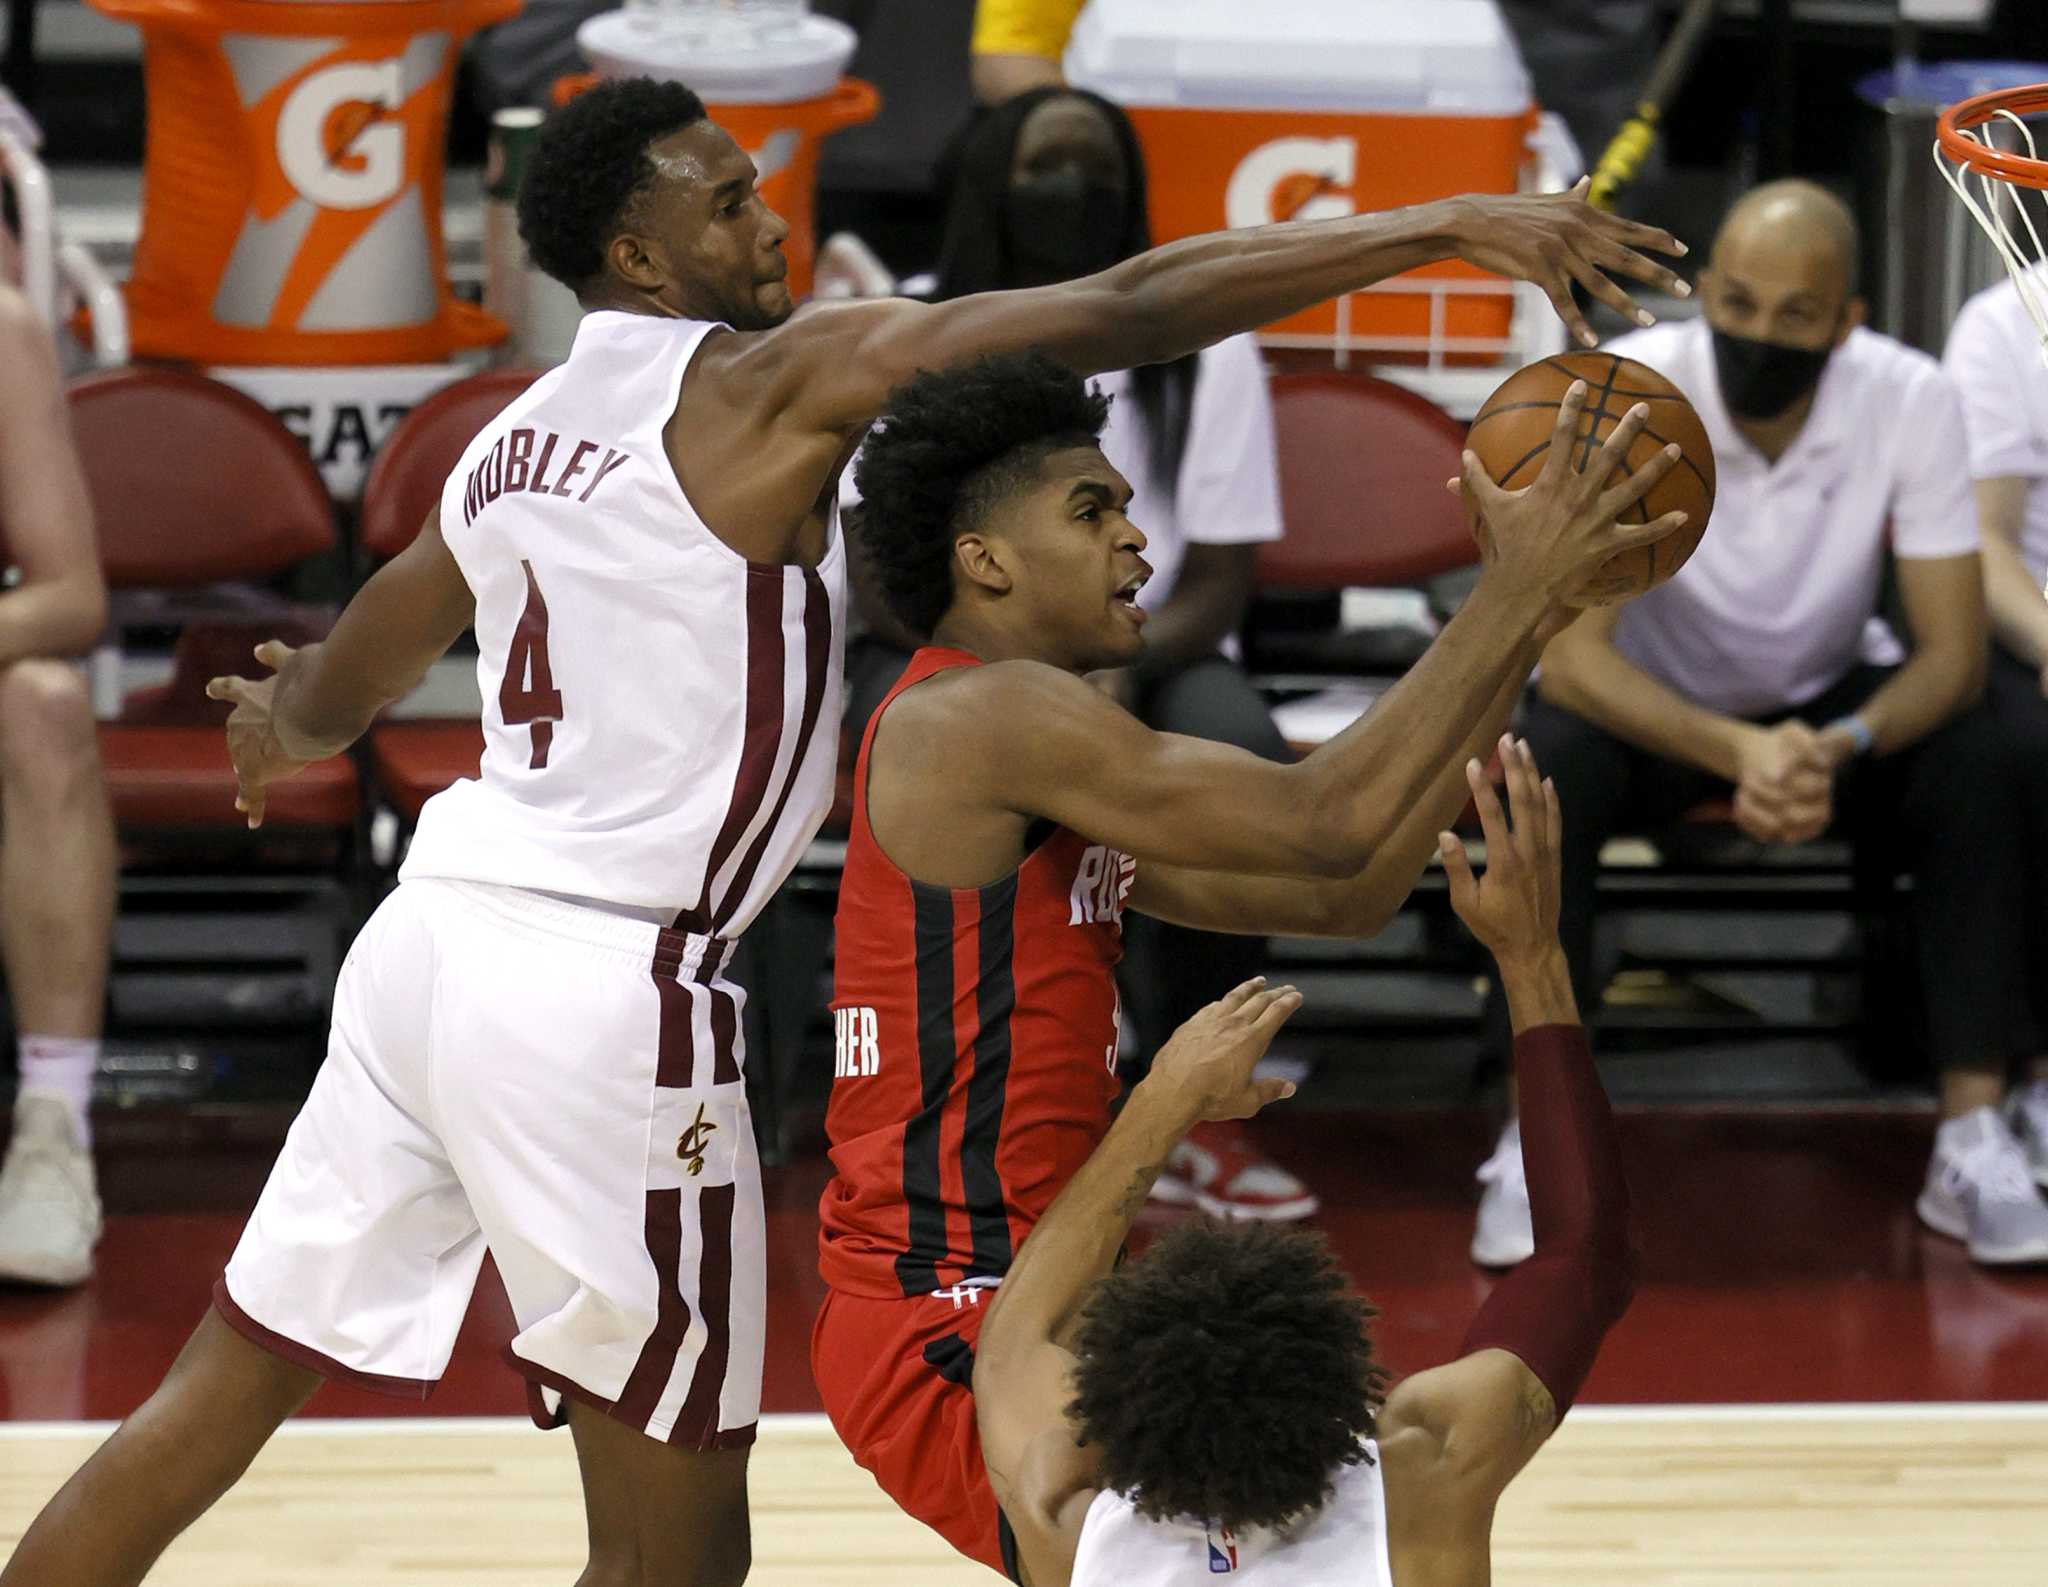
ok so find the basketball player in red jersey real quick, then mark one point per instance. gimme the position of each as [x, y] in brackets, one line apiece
[664, 500]
[1007, 813]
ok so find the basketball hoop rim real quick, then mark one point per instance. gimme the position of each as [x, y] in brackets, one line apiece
[1953, 126]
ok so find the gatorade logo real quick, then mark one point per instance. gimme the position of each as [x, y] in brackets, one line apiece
[1293, 179]
[334, 144]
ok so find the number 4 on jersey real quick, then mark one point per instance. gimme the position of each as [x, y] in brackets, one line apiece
[528, 696]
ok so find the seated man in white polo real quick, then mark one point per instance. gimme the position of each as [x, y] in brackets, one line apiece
[1762, 669]
[1994, 356]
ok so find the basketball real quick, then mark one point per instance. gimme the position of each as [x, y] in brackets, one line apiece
[1511, 436]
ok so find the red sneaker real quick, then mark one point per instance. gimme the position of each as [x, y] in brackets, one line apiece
[1219, 1170]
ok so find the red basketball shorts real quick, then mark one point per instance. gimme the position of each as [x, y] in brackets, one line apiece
[897, 1379]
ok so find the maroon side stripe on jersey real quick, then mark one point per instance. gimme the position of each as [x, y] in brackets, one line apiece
[817, 656]
[697, 1424]
[764, 731]
[650, 1374]
[995, 996]
[923, 1194]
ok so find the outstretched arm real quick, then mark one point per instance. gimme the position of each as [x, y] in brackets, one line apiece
[835, 364]
[1535, 1339]
[324, 696]
[1179, 801]
[1044, 1480]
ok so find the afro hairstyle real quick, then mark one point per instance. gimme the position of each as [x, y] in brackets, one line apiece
[949, 446]
[590, 159]
[1226, 1376]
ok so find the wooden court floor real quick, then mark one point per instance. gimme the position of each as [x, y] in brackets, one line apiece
[1927, 1495]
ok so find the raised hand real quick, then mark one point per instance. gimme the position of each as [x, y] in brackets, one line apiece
[1556, 532]
[1208, 1062]
[1512, 909]
[1556, 239]
[253, 745]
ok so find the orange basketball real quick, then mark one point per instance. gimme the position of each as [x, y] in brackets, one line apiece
[1511, 436]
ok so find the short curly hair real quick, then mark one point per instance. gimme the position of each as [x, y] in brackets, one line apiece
[590, 159]
[949, 446]
[1226, 1376]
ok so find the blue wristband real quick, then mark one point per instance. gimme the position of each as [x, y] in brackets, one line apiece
[1860, 732]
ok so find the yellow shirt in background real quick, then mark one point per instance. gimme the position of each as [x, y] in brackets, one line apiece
[1024, 27]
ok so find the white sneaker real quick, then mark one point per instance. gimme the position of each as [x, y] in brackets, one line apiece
[1506, 1235]
[2026, 1113]
[49, 1207]
[1980, 1191]
[1217, 1169]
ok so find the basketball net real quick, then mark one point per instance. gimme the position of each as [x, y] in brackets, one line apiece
[1989, 198]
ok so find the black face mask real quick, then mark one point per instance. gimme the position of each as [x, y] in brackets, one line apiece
[1760, 380]
[1063, 225]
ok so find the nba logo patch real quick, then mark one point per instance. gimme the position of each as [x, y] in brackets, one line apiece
[1222, 1552]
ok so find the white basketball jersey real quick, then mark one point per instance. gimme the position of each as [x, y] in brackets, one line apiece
[661, 716]
[1344, 1544]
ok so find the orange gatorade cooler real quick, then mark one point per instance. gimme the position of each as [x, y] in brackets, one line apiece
[1310, 109]
[774, 85]
[291, 195]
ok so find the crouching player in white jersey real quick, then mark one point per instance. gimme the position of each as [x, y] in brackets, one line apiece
[535, 1049]
[1214, 1406]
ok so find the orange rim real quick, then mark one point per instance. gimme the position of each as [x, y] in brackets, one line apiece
[1956, 121]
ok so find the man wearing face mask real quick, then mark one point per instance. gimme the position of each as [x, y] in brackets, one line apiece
[1050, 187]
[1762, 670]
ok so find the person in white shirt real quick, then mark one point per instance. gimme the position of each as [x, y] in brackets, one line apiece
[1761, 669]
[1047, 187]
[1994, 354]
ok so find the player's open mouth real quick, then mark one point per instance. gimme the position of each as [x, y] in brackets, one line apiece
[1126, 595]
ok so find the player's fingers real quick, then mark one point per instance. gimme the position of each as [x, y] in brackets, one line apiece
[1234, 1000]
[1525, 797]
[1279, 1008]
[273, 653]
[1633, 234]
[1493, 821]
[1553, 817]
[1602, 287]
[1478, 484]
[1564, 435]
[1557, 286]
[1457, 868]
[1647, 534]
[234, 690]
[1262, 1093]
[1618, 259]
[1455, 486]
[251, 805]
[1637, 480]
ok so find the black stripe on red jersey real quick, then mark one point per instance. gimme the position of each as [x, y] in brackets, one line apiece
[923, 1192]
[995, 1001]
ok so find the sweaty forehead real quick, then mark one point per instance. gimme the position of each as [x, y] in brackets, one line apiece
[699, 157]
[1074, 468]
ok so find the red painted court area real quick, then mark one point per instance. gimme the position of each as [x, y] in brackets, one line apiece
[1781, 1263]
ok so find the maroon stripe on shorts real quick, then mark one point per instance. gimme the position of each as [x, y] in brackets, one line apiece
[652, 1371]
[307, 1357]
[725, 1017]
[675, 1062]
[697, 1426]
[817, 657]
[763, 732]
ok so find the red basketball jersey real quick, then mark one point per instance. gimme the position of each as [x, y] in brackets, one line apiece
[977, 1032]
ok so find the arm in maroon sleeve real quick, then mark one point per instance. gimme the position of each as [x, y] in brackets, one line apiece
[1553, 1311]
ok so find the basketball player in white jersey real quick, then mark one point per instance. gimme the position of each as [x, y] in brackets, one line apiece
[535, 1048]
[1214, 1408]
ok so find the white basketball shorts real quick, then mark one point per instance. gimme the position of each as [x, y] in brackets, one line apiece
[555, 1084]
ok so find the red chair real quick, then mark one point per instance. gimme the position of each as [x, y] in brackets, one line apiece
[415, 760]
[193, 483]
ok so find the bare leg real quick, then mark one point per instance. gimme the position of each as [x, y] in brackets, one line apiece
[1966, 1090]
[57, 854]
[660, 1514]
[164, 1466]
